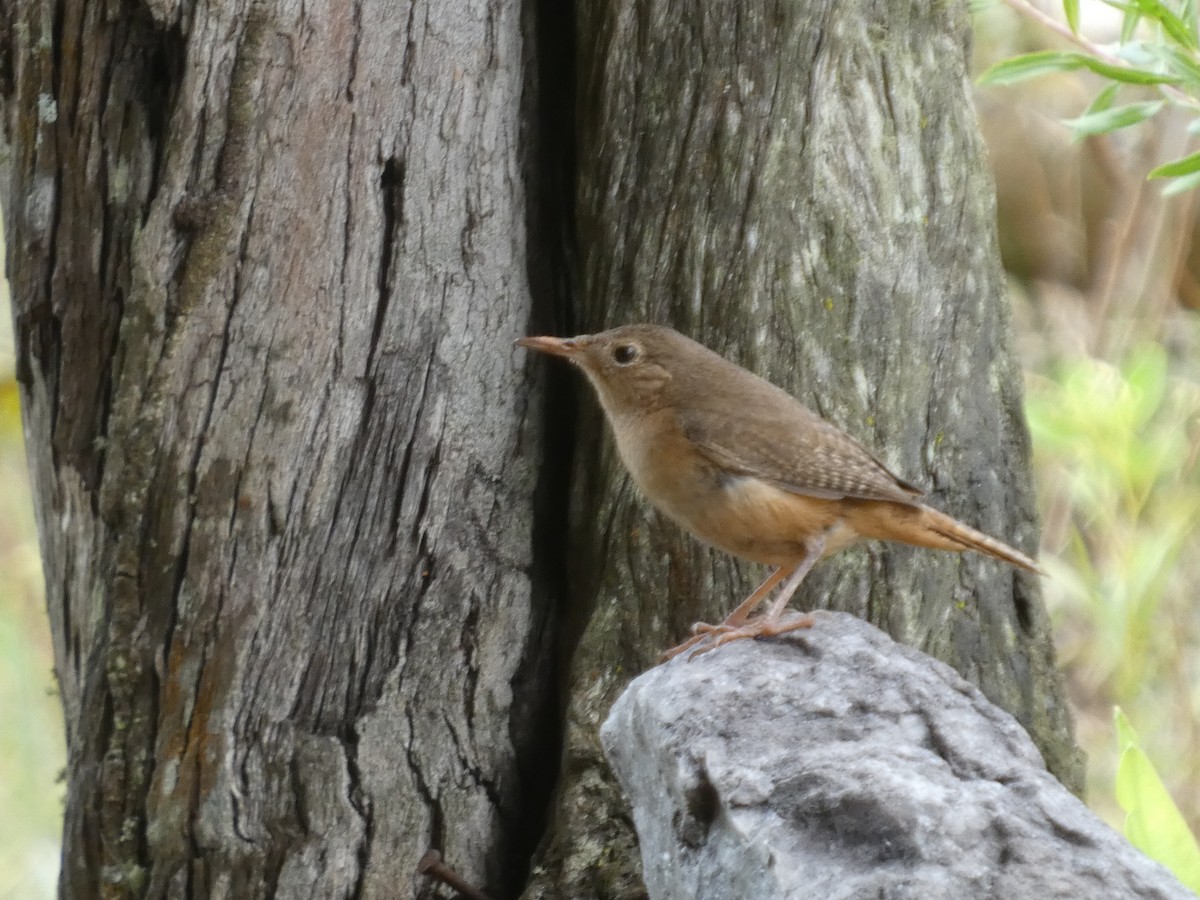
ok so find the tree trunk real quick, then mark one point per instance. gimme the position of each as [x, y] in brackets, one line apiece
[302, 524]
[803, 188]
[267, 262]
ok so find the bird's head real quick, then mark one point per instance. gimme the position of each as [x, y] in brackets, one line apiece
[632, 367]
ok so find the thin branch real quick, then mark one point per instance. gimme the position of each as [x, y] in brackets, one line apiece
[1027, 9]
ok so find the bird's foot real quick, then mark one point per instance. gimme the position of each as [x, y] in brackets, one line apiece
[699, 632]
[755, 628]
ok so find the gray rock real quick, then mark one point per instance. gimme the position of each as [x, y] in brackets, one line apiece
[836, 763]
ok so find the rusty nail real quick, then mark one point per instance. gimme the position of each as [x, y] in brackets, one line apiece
[431, 865]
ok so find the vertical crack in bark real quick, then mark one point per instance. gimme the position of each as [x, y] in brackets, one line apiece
[355, 41]
[164, 69]
[677, 179]
[428, 476]
[549, 163]
[437, 821]
[347, 232]
[121, 665]
[814, 77]
[1023, 606]
[7, 75]
[361, 801]
[885, 87]
[391, 185]
[50, 233]
[473, 771]
[406, 460]
[225, 222]
[189, 520]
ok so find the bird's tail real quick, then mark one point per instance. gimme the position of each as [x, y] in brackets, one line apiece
[927, 527]
[966, 537]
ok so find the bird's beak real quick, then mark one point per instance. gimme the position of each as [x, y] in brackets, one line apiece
[566, 347]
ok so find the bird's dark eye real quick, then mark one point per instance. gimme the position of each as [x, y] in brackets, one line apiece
[624, 354]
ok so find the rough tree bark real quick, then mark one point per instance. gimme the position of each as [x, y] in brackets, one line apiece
[267, 263]
[802, 187]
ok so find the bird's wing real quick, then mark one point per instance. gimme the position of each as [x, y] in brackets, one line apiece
[797, 450]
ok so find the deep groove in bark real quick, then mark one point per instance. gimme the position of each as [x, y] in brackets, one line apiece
[550, 216]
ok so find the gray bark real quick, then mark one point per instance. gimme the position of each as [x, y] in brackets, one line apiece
[839, 764]
[267, 263]
[802, 187]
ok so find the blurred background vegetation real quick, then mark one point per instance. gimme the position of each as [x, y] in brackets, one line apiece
[1104, 271]
[1105, 277]
[32, 752]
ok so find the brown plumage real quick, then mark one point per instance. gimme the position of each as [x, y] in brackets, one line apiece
[747, 468]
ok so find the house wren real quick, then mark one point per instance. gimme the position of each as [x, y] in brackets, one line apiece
[746, 467]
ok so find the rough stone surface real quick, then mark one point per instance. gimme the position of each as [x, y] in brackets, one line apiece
[840, 764]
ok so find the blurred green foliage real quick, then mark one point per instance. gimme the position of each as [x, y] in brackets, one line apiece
[1159, 46]
[1115, 447]
[32, 752]
[1152, 821]
[1113, 357]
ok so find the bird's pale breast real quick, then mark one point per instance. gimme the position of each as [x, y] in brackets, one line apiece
[740, 514]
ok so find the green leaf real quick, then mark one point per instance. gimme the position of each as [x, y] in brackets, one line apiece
[1176, 28]
[1129, 25]
[1185, 166]
[1171, 23]
[1153, 822]
[1180, 185]
[1126, 74]
[1107, 120]
[1104, 100]
[1187, 12]
[1030, 65]
[1071, 8]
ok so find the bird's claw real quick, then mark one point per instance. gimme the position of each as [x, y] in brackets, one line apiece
[697, 637]
[761, 627]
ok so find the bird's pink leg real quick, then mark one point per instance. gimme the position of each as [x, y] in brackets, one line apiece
[735, 619]
[768, 624]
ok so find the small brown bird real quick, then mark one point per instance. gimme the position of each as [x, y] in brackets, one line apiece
[746, 467]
